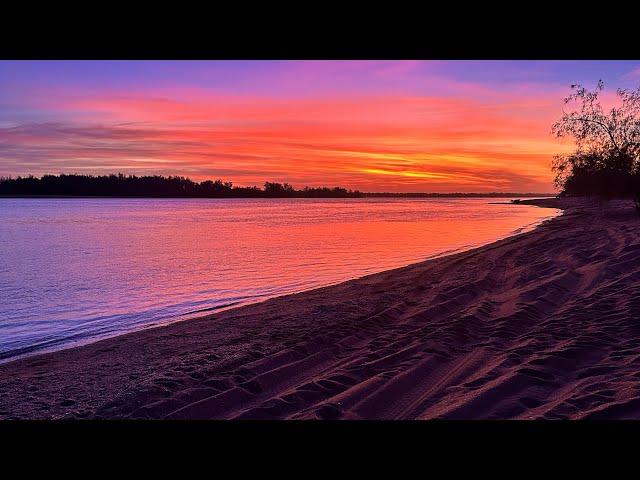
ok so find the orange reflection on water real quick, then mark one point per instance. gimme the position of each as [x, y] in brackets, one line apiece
[80, 269]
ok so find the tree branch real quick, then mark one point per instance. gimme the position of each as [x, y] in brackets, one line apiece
[604, 126]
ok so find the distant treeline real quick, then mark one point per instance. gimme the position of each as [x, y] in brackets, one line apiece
[180, 187]
[606, 160]
[455, 194]
[154, 186]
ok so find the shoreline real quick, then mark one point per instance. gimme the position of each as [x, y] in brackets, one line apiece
[483, 333]
[417, 195]
[62, 345]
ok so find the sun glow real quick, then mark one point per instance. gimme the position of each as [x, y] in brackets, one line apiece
[406, 173]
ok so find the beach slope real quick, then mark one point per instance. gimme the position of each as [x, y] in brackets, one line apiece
[540, 325]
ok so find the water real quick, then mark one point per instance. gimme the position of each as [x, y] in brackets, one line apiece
[76, 270]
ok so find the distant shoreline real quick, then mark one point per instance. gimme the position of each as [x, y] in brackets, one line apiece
[158, 186]
[364, 195]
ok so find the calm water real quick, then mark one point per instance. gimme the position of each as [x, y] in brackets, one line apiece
[74, 270]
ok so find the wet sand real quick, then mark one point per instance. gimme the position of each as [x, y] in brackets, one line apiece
[543, 324]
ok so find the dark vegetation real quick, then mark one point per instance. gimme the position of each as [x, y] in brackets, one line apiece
[606, 161]
[179, 187]
[153, 186]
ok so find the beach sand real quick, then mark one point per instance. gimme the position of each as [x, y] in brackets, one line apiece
[544, 324]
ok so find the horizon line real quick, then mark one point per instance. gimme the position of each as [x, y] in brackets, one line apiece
[9, 177]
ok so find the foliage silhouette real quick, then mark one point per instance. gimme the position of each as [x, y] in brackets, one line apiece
[607, 157]
[179, 187]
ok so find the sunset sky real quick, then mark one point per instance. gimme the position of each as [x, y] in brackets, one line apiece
[432, 126]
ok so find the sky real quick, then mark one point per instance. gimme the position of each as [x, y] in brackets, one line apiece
[401, 126]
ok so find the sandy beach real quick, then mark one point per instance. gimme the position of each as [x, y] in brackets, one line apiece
[541, 325]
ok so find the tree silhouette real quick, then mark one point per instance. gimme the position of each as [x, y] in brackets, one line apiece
[272, 189]
[155, 186]
[607, 154]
